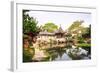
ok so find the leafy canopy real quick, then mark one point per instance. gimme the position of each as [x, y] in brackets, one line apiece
[29, 23]
[75, 25]
[50, 27]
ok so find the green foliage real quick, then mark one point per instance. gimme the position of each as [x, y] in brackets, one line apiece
[25, 36]
[75, 25]
[27, 56]
[84, 45]
[80, 39]
[80, 30]
[29, 23]
[68, 35]
[87, 34]
[50, 27]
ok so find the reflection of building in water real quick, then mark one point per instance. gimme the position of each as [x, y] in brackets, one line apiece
[58, 36]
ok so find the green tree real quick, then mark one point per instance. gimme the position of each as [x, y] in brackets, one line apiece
[87, 34]
[75, 25]
[50, 27]
[77, 28]
[29, 23]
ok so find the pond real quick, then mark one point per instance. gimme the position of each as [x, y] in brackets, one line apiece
[59, 52]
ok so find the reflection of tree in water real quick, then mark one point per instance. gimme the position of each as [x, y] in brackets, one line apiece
[52, 53]
[55, 52]
[60, 52]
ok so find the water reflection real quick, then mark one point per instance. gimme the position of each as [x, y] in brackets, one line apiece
[59, 52]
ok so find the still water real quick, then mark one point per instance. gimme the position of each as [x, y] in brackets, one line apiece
[59, 52]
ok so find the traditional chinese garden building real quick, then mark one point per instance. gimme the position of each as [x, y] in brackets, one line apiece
[58, 36]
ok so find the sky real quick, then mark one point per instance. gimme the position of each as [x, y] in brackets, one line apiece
[63, 19]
